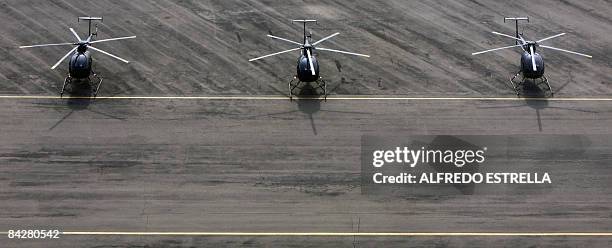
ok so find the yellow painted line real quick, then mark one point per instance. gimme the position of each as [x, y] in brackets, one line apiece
[386, 234]
[330, 98]
[343, 234]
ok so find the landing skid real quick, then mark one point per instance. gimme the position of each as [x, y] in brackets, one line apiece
[67, 80]
[517, 85]
[292, 87]
[95, 86]
[321, 84]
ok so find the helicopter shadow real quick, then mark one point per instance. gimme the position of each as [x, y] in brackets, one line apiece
[309, 103]
[537, 98]
[80, 95]
[79, 98]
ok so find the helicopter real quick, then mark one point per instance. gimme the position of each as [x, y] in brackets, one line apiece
[80, 65]
[532, 63]
[307, 64]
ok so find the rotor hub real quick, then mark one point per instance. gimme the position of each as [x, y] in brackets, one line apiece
[82, 47]
[531, 44]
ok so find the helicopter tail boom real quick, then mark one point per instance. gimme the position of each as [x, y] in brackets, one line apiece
[304, 22]
[91, 19]
[516, 21]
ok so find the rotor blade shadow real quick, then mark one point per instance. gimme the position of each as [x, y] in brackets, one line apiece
[62, 120]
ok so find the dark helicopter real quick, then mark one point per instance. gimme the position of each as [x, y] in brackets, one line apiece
[80, 65]
[307, 65]
[532, 63]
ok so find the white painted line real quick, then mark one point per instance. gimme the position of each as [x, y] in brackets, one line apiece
[329, 98]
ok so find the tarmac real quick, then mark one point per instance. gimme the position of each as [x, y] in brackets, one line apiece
[192, 138]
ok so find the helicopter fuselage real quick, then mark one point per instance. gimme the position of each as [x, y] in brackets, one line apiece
[80, 64]
[307, 69]
[304, 73]
[527, 65]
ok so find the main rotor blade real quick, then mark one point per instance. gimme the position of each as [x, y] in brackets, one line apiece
[45, 45]
[496, 49]
[283, 39]
[96, 49]
[75, 34]
[310, 62]
[344, 52]
[63, 58]
[552, 37]
[533, 62]
[324, 39]
[567, 51]
[111, 39]
[509, 36]
[274, 54]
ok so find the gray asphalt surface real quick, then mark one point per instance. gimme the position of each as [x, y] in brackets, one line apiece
[273, 166]
[203, 47]
[278, 166]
